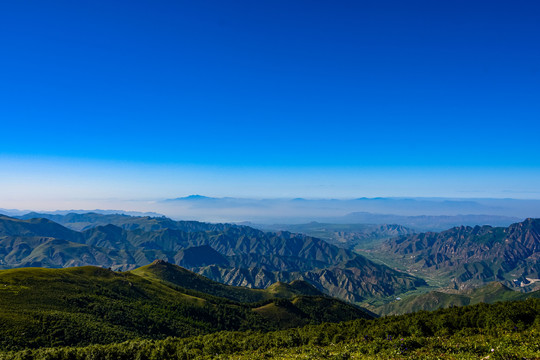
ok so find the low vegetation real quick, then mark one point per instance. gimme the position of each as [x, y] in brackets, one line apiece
[509, 330]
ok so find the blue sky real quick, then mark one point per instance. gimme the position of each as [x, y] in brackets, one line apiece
[270, 98]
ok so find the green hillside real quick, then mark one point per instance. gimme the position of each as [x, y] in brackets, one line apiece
[506, 330]
[90, 305]
[434, 300]
[177, 276]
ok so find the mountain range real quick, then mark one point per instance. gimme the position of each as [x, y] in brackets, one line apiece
[231, 254]
[468, 256]
[348, 236]
[438, 299]
[288, 276]
[397, 260]
[421, 214]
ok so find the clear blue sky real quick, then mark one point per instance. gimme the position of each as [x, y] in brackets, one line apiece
[275, 88]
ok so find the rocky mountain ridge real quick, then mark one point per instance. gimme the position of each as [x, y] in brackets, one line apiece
[473, 255]
[236, 255]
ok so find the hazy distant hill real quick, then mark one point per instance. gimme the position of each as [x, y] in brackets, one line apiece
[88, 305]
[428, 222]
[235, 255]
[472, 255]
[426, 214]
[348, 236]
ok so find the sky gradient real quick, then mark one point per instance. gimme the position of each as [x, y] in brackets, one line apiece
[140, 100]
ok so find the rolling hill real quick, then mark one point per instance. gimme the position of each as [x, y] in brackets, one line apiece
[88, 305]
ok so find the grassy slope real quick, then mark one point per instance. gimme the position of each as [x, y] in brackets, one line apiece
[307, 305]
[185, 279]
[88, 305]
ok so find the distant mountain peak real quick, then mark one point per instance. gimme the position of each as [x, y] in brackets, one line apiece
[193, 198]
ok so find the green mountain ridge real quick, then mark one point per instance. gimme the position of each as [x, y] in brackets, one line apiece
[463, 257]
[175, 275]
[88, 305]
